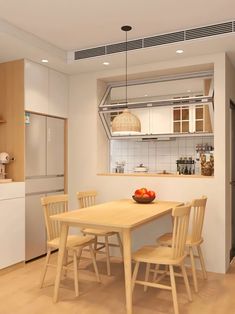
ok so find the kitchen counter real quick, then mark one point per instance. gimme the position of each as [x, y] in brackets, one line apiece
[12, 223]
[172, 175]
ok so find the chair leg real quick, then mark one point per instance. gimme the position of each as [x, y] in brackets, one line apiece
[148, 265]
[186, 282]
[155, 272]
[95, 246]
[202, 262]
[65, 262]
[120, 244]
[45, 268]
[107, 255]
[94, 262]
[135, 273]
[75, 269]
[174, 293]
[193, 269]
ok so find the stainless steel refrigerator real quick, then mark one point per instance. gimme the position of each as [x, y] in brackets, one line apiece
[44, 164]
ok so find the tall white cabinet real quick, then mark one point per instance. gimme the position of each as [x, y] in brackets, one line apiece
[46, 90]
[58, 94]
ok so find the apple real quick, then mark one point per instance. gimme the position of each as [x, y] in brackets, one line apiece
[144, 190]
[151, 193]
[138, 193]
[145, 195]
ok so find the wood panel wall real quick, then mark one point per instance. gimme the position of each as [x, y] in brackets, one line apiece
[12, 111]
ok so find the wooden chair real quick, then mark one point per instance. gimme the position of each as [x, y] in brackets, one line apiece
[57, 204]
[86, 199]
[194, 239]
[168, 256]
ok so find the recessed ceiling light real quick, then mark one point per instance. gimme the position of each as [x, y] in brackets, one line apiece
[44, 60]
[179, 51]
[189, 90]
[146, 95]
[105, 63]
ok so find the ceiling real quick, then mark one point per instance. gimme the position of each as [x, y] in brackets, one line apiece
[49, 29]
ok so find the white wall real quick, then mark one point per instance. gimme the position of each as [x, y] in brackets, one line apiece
[85, 157]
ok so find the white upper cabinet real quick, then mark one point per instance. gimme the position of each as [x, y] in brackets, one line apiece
[156, 120]
[36, 87]
[58, 94]
[161, 120]
[46, 90]
[143, 115]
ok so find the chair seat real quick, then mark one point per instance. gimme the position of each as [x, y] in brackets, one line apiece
[98, 232]
[166, 239]
[157, 255]
[72, 241]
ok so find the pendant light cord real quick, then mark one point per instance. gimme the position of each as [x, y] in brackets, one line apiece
[126, 28]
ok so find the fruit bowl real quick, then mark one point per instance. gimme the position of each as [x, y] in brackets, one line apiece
[143, 200]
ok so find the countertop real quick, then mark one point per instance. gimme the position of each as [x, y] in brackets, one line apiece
[172, 175]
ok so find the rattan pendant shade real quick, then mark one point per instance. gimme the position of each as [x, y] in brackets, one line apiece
[126, 123]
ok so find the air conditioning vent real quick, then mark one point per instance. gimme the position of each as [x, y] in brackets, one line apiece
[131, 45]
[163, 39]
[207, 31]
[158, 40]
[89, 53]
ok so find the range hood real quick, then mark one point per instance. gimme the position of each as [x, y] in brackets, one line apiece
[147, 98]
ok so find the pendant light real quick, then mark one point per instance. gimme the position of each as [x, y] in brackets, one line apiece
[126, 123]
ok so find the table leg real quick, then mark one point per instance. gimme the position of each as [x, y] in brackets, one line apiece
[60, 261]
[127, 268]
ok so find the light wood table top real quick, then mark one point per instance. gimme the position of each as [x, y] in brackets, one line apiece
[124, 213]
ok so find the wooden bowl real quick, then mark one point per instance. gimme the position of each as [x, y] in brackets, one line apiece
[143, 200]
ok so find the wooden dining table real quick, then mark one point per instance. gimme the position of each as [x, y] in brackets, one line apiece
[122, 216]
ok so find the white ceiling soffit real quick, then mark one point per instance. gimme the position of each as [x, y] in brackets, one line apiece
[16, 43]
[79, 24]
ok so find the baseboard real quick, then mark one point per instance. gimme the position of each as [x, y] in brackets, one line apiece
[8, 269]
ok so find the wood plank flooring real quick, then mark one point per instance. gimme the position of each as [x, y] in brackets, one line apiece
[19, 293]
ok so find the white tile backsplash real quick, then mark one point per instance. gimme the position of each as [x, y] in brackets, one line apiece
[156, 155]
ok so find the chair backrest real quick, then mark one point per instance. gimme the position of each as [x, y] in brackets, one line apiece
[52, 205]
[198, 213]
[180, 229]
[86, 198]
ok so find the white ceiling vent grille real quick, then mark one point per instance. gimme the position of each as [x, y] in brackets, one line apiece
[164, 39]
[207, 31]
[131, 45]
[89, 53]
[158, 40]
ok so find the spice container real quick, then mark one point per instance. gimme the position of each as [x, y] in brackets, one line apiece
[185, 166]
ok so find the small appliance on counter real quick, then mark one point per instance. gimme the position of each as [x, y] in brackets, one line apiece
[185, 166]
[4, 159]
[141, 168]
[119, 167]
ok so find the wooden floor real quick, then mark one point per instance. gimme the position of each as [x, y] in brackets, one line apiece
[19, 293]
